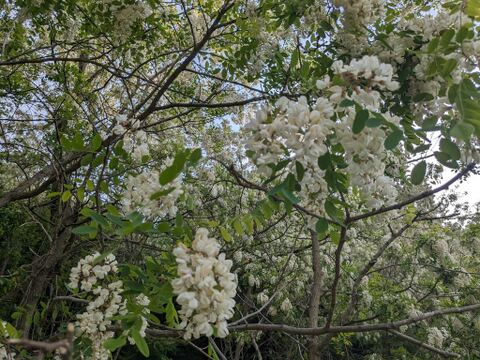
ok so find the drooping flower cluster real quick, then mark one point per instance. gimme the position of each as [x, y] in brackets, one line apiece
[126, 17]
[205, 287]
[134, 140]
[437, 336]
[108, 301]
[358, 14]
[302, 131]
[88, 272]
[145, 194]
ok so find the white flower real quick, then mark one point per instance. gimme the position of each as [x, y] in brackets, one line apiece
[141, 188]
[205, 287]
[95, 321]
[286, 305]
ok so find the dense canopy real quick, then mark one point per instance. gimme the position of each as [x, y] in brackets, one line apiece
[239, 179]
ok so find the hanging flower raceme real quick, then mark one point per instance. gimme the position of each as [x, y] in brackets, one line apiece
[205, 287]
[90, 276]
[145, 194]
[299, 132]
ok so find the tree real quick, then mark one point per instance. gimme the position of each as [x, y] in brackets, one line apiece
[243, 179]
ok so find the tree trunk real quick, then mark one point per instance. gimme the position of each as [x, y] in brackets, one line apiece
[314, 304]
[44, 266]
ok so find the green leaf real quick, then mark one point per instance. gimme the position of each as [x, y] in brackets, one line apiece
[445, 160]
[140, 342]
[171, 314]
[66, 195]
[81, 194]
[171, 172]
[361, 118]
[346, 103]
[168, 175]
[432, 45]
[324, 161]
[450, 148]
[97, 161]
[96, 142]
[225, 234]
[294, 59]
[248, 221]
[77, 142]
[300, 170]
[335, 236]
[195, 156]
[418, 172]
[332, 211]
[280, 165]
[84, 230]
[464, 33]
[157, 195]
[462, 131]
[373, 122]
[393, 139]
[94, 216]
[448, 67]
[163, 227]
[237, 225]
[90, 185]
[423, 97]
[473, 8]
[446, 37]
[288, 195]
[113, 344]
[321, 225]
[452, 93]
[430, 124]
[11, 331]
[87, 159]
[65, 142]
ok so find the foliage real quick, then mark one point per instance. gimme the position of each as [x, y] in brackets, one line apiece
[305, 138]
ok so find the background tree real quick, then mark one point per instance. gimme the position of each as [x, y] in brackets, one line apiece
[168, 166]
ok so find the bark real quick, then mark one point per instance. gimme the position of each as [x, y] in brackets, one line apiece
[313, 308]
[43, 267]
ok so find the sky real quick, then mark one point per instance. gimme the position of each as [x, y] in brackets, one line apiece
[470, 185]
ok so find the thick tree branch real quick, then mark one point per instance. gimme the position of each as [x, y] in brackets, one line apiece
[353, 328]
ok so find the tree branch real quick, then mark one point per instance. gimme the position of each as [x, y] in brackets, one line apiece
[421, 196]
[353, 328]
[423, 345]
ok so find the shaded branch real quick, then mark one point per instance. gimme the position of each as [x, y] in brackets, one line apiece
[423, 345]
[354, 328]
[421, 196]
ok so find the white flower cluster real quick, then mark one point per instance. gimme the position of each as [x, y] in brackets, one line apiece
[360, 13]
[205, 287]
[94, 322]
[134, 141]
[436, 336]
[141, 188]
[4, 354]
[302, 130]
[126, 18]
[87, 273]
